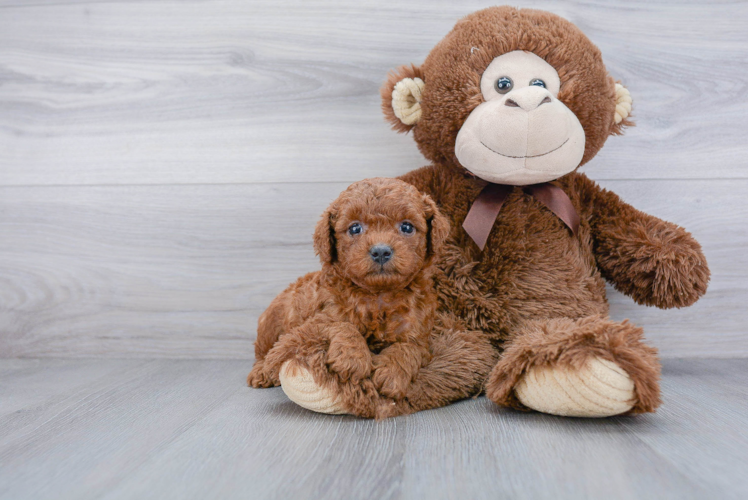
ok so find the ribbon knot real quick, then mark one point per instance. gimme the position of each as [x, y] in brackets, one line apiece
[486, 207]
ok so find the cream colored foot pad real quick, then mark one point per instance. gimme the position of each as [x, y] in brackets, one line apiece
[599, 389]
[299, 385]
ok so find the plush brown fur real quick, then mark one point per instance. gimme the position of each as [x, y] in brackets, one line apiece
[533, 271]
[461, 361]
[535, 290]
[536, 293]
[355, 307]
[453, 69]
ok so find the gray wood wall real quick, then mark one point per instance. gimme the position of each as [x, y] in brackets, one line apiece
[162, 164]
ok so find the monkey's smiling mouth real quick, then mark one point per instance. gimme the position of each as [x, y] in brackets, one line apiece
[530, 156]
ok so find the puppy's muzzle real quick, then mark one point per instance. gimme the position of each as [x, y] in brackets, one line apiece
[380, 253]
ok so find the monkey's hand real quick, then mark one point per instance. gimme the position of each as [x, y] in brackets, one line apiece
[657, 263]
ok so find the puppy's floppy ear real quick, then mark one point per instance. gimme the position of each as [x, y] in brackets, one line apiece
[622, 114]
[438, 226]
[325, 244]
[401, 97]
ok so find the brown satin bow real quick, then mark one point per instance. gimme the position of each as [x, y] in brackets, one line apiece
[486, 207]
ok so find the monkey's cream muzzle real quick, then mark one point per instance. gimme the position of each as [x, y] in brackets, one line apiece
[526, 135]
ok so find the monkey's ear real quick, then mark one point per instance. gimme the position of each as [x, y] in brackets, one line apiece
[401, 97]
[438, 226]
[623, 110]
[325, 244]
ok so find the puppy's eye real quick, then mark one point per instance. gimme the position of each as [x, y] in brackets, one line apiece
[407, 228]
[538, 83]
[504, 85]
[355, 229]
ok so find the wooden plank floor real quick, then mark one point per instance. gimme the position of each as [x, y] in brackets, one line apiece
[122, 429]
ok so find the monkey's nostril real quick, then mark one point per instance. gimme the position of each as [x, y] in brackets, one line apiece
[547, 99]
[380, 253]
[511, 103]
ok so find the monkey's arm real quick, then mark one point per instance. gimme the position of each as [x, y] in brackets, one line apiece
[657, 263]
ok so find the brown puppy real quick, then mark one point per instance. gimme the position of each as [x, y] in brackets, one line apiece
[371, 308]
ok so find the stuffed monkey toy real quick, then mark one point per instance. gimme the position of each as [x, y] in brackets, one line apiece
[506, 108]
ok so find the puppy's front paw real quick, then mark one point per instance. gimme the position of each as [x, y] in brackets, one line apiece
[349, 357]
[259, 377]
[391, 381]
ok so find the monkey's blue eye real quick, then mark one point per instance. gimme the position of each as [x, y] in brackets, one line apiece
[355, 229]
[538, 83]
[407, 228]
[504, 85]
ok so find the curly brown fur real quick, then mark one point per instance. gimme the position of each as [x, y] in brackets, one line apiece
[335, 317]
[571, 343]
[337, 357]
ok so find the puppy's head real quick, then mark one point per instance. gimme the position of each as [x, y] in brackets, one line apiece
[380, 233]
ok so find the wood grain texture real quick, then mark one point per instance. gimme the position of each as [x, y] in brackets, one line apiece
[162, 163]
[180, 271]
[102, 92]
[190, 429]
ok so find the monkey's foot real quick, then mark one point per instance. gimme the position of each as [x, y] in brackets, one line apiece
[299, 385]
[600, 388]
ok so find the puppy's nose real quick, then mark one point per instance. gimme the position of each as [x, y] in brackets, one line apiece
[380, 253]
